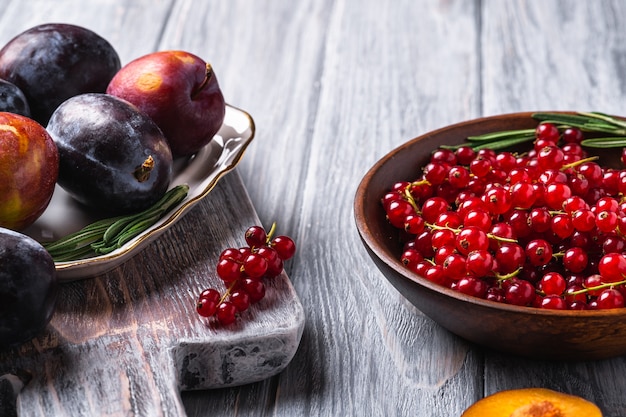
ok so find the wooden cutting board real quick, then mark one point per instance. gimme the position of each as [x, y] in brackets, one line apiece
[127, 342]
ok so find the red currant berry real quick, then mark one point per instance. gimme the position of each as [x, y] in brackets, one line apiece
[480, 167]
[433, 207]
[607, 204]
[255, 265]
[421, 267]
[479, 263]
[497, 200]
[255, 236]
[613, 244]
[435, 274]
[610, 298]
[414, 224]
[226, 313]
[573, 135]
[454, 266]
[458, 177]
[442, 253]
[591, 282]
[520, 293]
[229, 270]
[575, 203]
[424, 244]
[519, 221]
[397, 211]
[552, 283]
[208, 302]
[254, 288]
[465, 155]
[556, 194]
[592, 172]
[575, 293]
[241, 300]
[443, 237]
[275, 263]
[446, 156]
[522, 195]
[477, 218]
[499, 233]
[510, 257]
[606, 221]
[540, 219]
[612, 267]
[285, 247]
[436, 173]
[547, 131]
[232, 254]
[562, 226]
[470, 239]
[550, 157]
[449, 219]
[495, 294]
[575, 259]
[583, 220]
[472, 286]
[553, 302]
[538, 252]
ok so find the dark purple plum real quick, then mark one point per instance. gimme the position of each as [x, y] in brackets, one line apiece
[53, 62]
[28, 288]
[112, 156]
[12, 99]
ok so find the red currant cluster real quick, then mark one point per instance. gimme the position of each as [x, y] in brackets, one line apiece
[242, 270]
[545, 228]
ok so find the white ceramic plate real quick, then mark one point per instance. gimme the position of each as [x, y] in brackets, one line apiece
[201, 172]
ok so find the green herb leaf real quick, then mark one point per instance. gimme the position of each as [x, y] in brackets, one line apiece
[609, 142]
[104, 236]
[505, 134]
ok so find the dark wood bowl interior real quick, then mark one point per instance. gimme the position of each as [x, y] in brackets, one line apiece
[525, 331]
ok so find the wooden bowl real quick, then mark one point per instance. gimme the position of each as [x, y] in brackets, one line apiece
[525, 331]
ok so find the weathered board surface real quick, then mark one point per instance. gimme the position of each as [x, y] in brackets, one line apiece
[127, 342]
[333, 85]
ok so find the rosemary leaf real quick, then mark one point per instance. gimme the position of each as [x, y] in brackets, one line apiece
[106, 235]
[505, 134]
[609, 142]
[78, 239]
[505, 143]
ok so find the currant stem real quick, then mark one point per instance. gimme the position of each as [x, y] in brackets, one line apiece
[271, 232]
[229, 290]
[489, 235]
[410, 199]
[508, 276]
[597, 287]
[579, 162]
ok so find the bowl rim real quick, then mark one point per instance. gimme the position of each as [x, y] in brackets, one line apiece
[378, 250]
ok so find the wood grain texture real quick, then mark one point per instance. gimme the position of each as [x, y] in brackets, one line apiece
[332, 135]
[125, 343]
[334, 85]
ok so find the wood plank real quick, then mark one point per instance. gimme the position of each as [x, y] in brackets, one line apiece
[126, 342]
[137, 340]
[334, 86]
[133, 27]
[555, 55]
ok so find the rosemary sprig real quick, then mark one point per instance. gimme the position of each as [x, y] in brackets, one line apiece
[588, 122]
[104, 236]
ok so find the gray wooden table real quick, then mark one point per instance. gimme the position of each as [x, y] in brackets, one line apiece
[333, 85]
